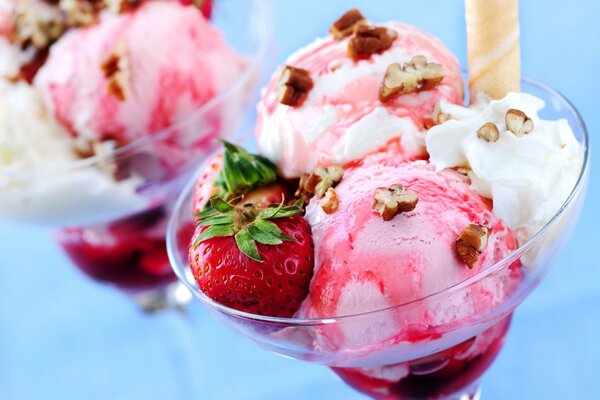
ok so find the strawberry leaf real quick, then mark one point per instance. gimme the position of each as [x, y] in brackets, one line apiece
[287, 211]
[262, 236]
[271, 211]
[246, 244]
[213, 231]
[220, 205]
[207, 212]
[243, 172]
[271, 229]
[221, 219]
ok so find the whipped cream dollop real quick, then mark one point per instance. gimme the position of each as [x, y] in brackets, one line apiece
[39, 182]
[528, 177]
[29, 135]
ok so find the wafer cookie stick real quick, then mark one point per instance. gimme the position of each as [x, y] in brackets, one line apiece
[493, 47]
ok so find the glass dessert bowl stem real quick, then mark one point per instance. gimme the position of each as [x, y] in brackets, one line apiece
[437, 346]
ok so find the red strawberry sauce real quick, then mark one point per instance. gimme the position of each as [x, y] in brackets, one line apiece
[129, 253]
[438, 376]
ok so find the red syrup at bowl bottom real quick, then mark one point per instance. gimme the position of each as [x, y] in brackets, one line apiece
[129, 253]
[438, 376]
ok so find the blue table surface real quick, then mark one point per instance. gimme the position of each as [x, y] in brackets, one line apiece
[65, 337]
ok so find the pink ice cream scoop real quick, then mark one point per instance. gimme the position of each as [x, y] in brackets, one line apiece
[342, 118]
[363, 263]
[137, 72]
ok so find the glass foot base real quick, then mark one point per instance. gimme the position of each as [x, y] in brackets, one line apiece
[474, 394]
[174, 296]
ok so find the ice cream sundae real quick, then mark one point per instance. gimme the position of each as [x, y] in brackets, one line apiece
[380, 230]
[105, 107]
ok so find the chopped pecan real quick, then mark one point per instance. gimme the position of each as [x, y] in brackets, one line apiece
[345, 25]
[322, 179]
[414, 76]
[389, 202]
[116, 71]
[29, 28]
[471, 242]
[330, 202]
[293, 86]
[81, 13]
[517, 122]
[368, 40]
[488, 132]
[440, 117]
[121, 6]
[301, 184]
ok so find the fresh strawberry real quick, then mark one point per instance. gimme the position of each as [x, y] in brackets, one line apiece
[237, 173]
[205, 6]
[204, 189]
[258, 260]
[267, 195]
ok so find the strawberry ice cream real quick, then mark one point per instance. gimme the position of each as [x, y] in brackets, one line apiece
[136, 73]
[363, 263]
[78, 80]
[343, 118]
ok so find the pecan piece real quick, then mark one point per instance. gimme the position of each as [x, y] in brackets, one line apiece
[81, 13]
[116, 71]
[389, 202]
[438, 116]
[30, 28]
[121, 6]
[411, 77]
[518, 123]
[322, 179]
[301, 183]
[344, 26]
[368, 40]
[488, 132]
[471, 242]
[330, 202]
[293, 86]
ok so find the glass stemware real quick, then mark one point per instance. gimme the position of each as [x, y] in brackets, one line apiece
[441, 358]
[109, 212]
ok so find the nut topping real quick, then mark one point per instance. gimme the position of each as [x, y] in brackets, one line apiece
[116, 71]
[411, 77]
[29, 28]
[518, 123]
[293, 85]
[344, 26]
[330, 202]
[438, 116]
[389, 202]
[488, 132]
[322, 179]
[301, 183]
[471, 242]
[368, 40]
[121, 6]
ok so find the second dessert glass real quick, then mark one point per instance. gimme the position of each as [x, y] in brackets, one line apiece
[110, 211]
[443, 359]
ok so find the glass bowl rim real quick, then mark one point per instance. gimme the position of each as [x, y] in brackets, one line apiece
[255, 59]
[171, 241]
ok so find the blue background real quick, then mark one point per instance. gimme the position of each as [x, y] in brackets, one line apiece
[64, 337]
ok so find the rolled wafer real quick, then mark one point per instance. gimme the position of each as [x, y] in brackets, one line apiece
[493, 47]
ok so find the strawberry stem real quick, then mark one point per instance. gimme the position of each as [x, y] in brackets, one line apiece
[247, 224]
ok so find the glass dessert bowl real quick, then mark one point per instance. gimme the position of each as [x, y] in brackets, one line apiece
[396, 352]
[109, 203]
